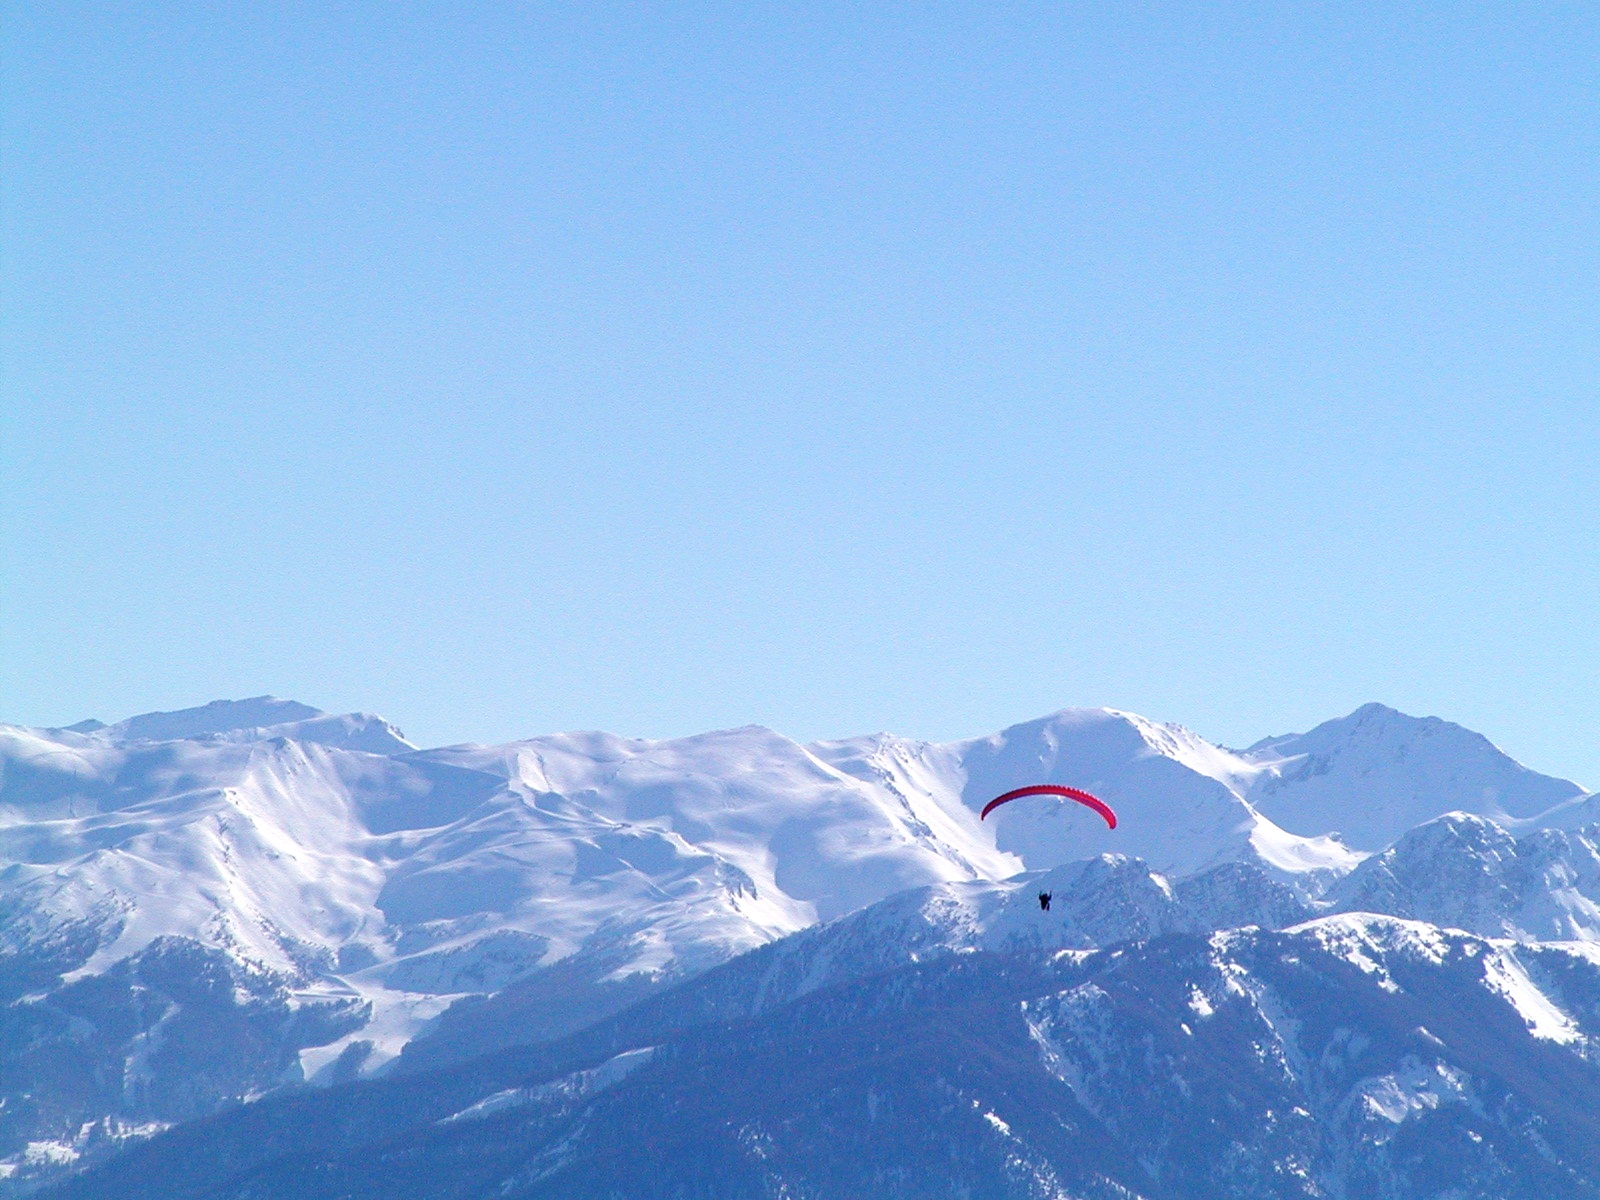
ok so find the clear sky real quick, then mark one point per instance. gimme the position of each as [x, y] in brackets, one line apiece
[506, 368]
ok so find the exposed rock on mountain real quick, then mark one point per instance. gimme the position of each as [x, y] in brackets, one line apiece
[1352, 1056]
[330, 902]
[1466, 872]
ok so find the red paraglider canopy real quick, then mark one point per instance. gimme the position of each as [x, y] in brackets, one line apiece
[1054, 789]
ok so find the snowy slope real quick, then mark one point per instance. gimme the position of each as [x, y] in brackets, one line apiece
[208, 904]
[1578, 813]
[252, 720]
[797, 824]
[1351, 1056]
[1097, 902]
[1466, 872]
[1181, 802]
[339, 899]
[1376, 773]
[399, 878]
[1460, 872]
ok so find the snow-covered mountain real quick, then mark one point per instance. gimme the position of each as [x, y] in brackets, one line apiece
[278, 894]
[1466, 872]
[392, 883]
[1458, 872]
[1353, 1056]
[1182, 802]
[201, 906]
[1375, 774]
[253, 720]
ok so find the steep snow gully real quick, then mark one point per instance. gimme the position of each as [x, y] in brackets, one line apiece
[228, 903]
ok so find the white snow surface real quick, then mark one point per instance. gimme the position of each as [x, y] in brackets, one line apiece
[329, 851]
[1181, 801]
[1468, 872]
[1375, 774]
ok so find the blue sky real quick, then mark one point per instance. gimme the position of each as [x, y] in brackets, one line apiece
[512, 368]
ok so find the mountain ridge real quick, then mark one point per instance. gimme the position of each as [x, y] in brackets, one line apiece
[1348, 1056]
[372, 905]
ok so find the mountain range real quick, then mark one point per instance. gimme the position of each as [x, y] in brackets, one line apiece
[224, 904]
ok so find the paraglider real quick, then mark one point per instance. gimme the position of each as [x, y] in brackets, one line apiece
[1054, 789]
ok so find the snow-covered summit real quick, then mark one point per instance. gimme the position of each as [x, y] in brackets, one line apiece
[259, 718]
[220, 716]
[1181, 801]
[1376, 773]
[1464, 871]
[339, 892]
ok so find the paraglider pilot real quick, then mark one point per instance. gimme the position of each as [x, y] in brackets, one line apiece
[1044, 900]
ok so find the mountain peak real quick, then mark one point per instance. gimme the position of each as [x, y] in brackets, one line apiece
[1370, 718]
[1467, 872]
[1378, 772]
[258, 718]
[219, 716]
